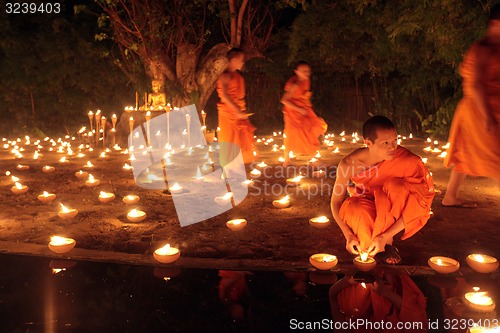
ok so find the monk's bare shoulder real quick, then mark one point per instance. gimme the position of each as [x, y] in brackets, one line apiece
[354, 159]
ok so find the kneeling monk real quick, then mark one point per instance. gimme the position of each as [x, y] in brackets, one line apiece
[390, 190]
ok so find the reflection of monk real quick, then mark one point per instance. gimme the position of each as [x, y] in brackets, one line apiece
[390, 190]
[157, 98]
[232, 288]
[393, 298]
[302, 126]
[474, 148]
[236, 131]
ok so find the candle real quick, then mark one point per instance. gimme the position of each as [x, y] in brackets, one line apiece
[236, 224]
[61, 244]
[127, 167]
[319, 174]
[88, 165]
[443, 265]
[363, 262]
[131, 199]
[106, 197]
[81, 174]
[48, 169]
[225, 199]
[46, 197]
[136, 215]
[482, 263]
[92, 182]
[67, 213]
[479, 301]
[176, 188]
[282, 203]
[248, 183]
[294, 181]
[255, 173]
[198, 178]
[319, 222]
[22, 167]
[167, 254]
[262, 164]
[323, 261]
[19, 188]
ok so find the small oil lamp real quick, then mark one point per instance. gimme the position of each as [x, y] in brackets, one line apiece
[167, 254]
[60, 244]
[364, 263]
[236, 224]
[136, 215]
[323, 261]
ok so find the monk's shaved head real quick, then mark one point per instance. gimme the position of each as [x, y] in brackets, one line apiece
[375, 123]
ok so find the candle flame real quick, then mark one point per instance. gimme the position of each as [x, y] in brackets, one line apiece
[237, 221]
[45, 194]
[19, 186]
[91, 178]
[363, 256]
[166, 250]
[285, 199]
[176, 186]
[58, 240]
[479, 258]
[64, 209]
[329, 258]
[480, 298]
[322, 219]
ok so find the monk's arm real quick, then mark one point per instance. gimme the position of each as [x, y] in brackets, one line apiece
[379, 242]
[226, 99]
[479, 88]
[338, 196]
[287, 100]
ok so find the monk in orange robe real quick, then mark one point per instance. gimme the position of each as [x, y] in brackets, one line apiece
[302, 126]
[474, 148]
[393, 298]
[390, 190]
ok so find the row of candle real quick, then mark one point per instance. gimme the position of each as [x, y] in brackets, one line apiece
[480, 263]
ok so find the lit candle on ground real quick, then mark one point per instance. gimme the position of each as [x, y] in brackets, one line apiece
[46, 197]
[248, 183]
[167, 254]
[482, 263]
[106, 197]
[19, 188]
[255, 173]
[319, 173]
[319, 222]
[262, 164]
[91, 182]
[131, 199]
[198, 177]
[282, 203]
[82, 174]
[127, 167]
[22, 167]
[236, 224]
[136, 215]
[479, 301]
[443, 265]
[67, 213]
[176, 188]
[88, 165]
[61, 244]
[294, 181]
[364, 263]
[225, 199]
[48, 169]
[323, 261]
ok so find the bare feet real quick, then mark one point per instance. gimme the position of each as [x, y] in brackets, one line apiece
[458, 203]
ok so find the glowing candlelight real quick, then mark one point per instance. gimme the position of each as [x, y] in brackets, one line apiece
[60, 244]
[319, 222]
[363, 262]
[19, 188]
[131, 199]
[67, 213]
[248, 183]
[236, 224]
[81, 174]
[482, 263]
[176, 188]
[443, 265]
[479, 301]
[48, 169]
[91, 182]
[323, 261]
[262, 164]
[106, 197]
[136, 215]
[127, 167]
[319, 173]
[198, 177]
[22, 167]
[255, 173]
[225, 199]
[89, 165]
[294, 181]
[167, 254]
[282, 203]
[46, 197]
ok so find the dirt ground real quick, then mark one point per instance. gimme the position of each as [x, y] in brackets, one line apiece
[271, 234]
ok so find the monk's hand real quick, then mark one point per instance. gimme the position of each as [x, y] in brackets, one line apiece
[352, 244]
[377, 245]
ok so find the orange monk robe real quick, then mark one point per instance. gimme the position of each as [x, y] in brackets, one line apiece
[234, 133]
[401, 187]
[358, 302]
[302, 132]
[473, 150]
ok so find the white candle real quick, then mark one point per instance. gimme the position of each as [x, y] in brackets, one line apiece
[136, 215]
[319, 222]
[282, 203]
[106, 197]
[46, 197]
[167, 254]
[131, 199]
[236, 224]
[60, 244]
[67, 213]
[323, 261]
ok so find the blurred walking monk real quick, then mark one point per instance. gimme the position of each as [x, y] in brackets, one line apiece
[236, 131]
[474, 133]
[302, 126]
[390, 190]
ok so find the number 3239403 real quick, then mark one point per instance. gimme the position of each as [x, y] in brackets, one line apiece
[32, 8]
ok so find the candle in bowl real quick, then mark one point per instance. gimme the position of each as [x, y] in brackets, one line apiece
[48, 169]
[22, 167]
[92, 182]
[46, 197]
[255, 173]
[131, 199]
[176, 188]
[61, 244]
[248, 183]
[67, 213]
[167, 254]
[236, 224]
[323, 261]
[198, 178]
[364, 263]
[443, 265]
[318, 173]
[479, 301]
[19, 188]
[262, 164]
[224, 200]
[319, 222]
[282, 203]
[136, 215]
[82, 174]
[88, 165]
[106, 197]
[482, 263]
[294, 181]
